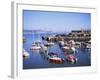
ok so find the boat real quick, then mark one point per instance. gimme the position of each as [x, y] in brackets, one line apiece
[71, 59]
[43, 49]
[36, 43]
[49, 44]
[77, 44]
[68, 49]
[73, 50]
[65, 48]
[53, 58]
[72, 42]
[24, 40]
[61, 43]
[35, 47]
[88, 46]
[25, 53]
[33, 44]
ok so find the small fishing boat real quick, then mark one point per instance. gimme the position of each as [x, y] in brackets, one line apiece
[43, 49]
[88, 46]
[53, 58]
[36, 43]
[83, 45]
[25, 53]
[65, 48]
[73, 50]
[35, 47]
[49, 44]
[77, 44]
[61, 43]
[68, 50]
[71, 59]
[72, 42]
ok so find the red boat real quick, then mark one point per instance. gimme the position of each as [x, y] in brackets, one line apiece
[53, 58]
[71, 59]
[56, 60]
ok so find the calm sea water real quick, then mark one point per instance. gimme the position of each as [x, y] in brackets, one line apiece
[36, 60]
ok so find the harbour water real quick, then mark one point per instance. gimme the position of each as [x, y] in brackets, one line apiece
[37, 60]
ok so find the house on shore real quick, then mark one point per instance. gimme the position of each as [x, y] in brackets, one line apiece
[79, 35]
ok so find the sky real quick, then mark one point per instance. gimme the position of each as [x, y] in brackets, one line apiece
[55, 21]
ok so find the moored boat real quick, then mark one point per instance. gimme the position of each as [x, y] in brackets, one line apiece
[77, 44]
[71, 59]
[68, 49]
[61, 43]
[35, 48]
[49, 44]
[53, 58]
[25, 53]
[43, 49]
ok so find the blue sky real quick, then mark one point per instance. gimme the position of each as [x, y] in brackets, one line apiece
[55, 21]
